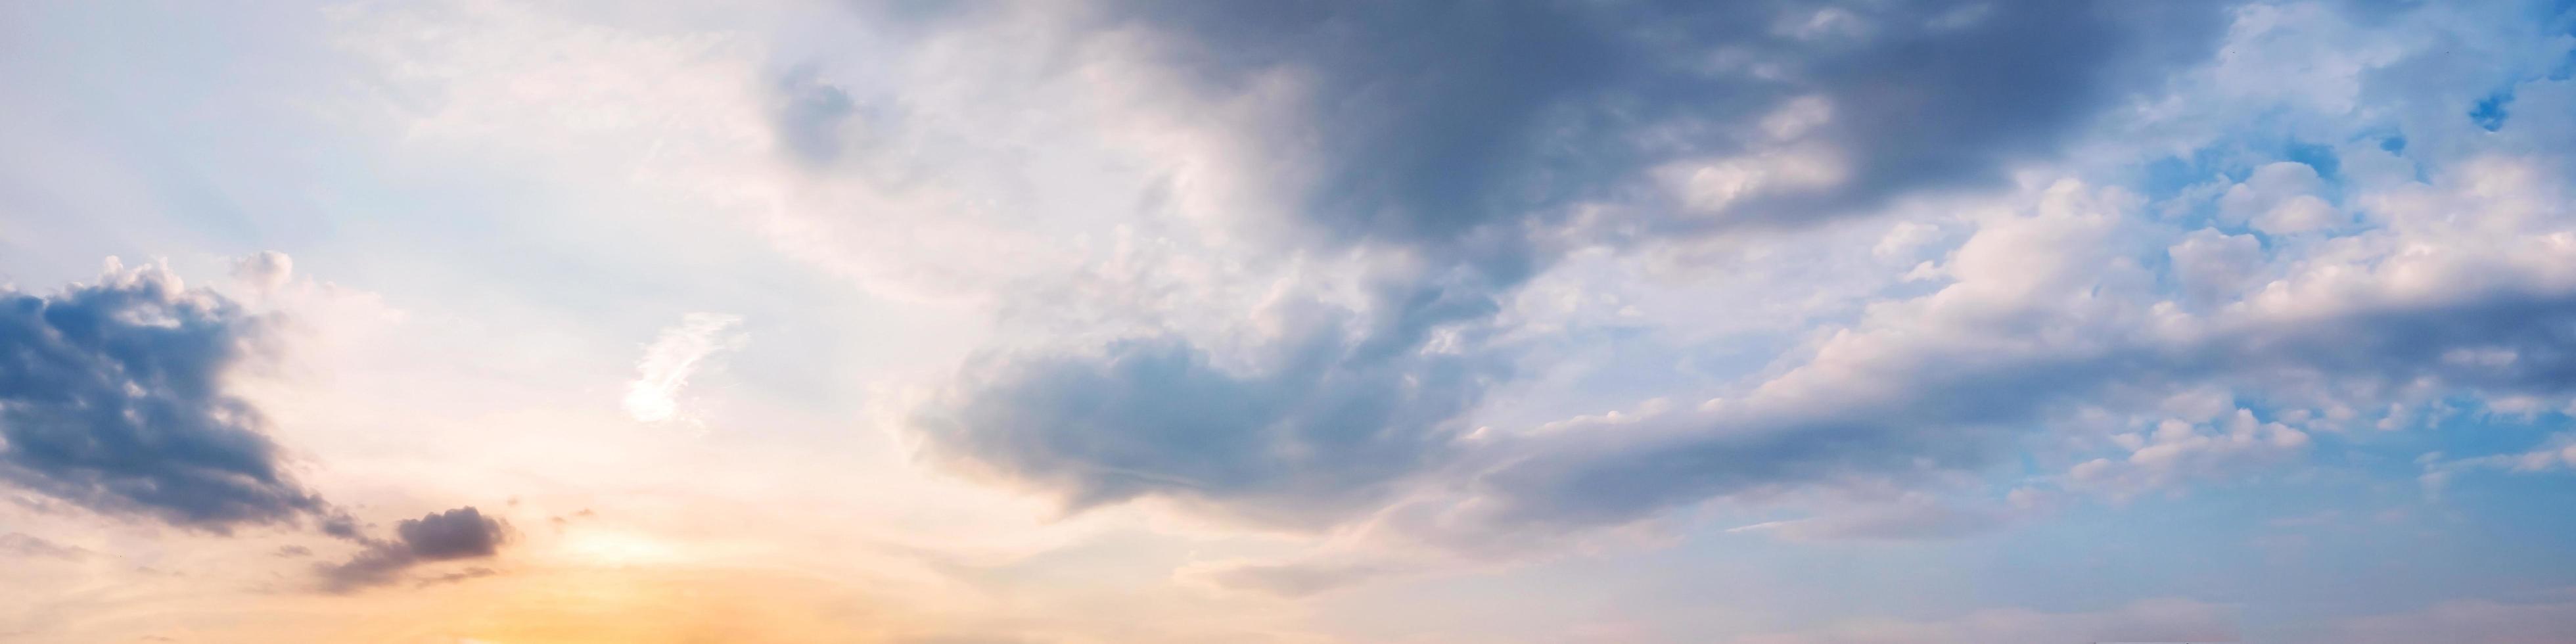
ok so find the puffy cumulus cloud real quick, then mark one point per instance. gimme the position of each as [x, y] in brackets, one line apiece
[2178, 450]
[2280, 198]
[113, 398]
[2166, 620]
[2213, 267]
[461, 533]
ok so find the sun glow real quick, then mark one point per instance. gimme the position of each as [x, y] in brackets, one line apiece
[617, 548]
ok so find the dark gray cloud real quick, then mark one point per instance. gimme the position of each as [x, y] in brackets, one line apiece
[1431, 120]
[1464, 131]
[112, 398]
[462, 533]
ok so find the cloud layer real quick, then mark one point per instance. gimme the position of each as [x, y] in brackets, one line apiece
[2170, 333]
[1470, 145]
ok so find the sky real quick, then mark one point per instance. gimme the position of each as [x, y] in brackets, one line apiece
[1147, 321]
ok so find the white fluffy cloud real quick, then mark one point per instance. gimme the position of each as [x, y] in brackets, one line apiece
[2280, 198]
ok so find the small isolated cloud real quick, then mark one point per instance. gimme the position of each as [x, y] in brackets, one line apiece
[462, 533]
[675, 356]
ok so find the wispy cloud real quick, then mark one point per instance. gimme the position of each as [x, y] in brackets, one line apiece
[675, 356]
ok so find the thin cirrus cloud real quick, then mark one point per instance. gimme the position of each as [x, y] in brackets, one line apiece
[676, 355]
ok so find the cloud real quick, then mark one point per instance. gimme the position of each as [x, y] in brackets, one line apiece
[2556, 452]
[1419, 123]
[812, 116]
[677, 354]
[2066, 309]
[2063, 319]
[2179, 449]
[2213, 267]
[2280, 198]
[113, 398]
[266, 271]
[20, 544]
[1323, 427]
[2166, 620]
[1292, 579]
[461, 533]
[1471, 145]
[1461, 141]
[2465, 622]
[477, 572]
[1913, 518]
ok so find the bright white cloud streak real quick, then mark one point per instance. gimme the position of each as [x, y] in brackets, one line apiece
[673, 357]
